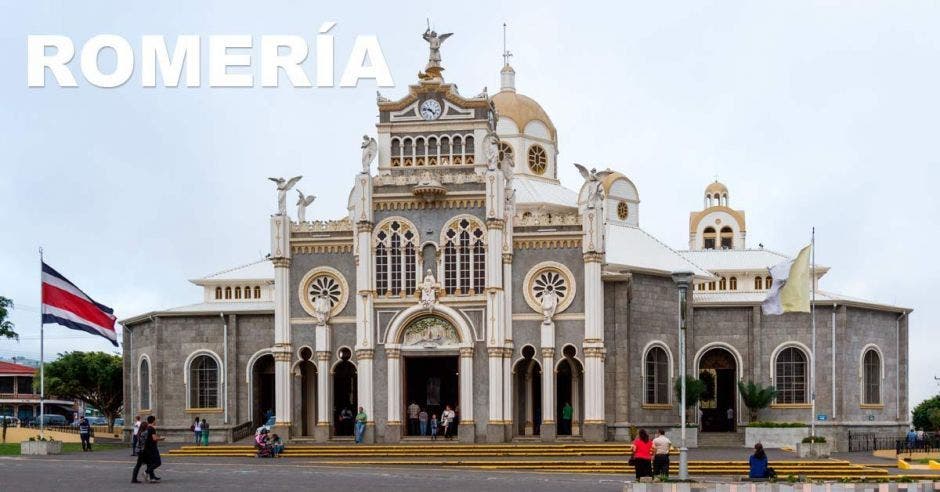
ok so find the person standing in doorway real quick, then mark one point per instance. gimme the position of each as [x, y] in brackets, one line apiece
[566, 413]
[134, 435]
[413, 411]
[361, 418]
[84, 431]
[197, 431]
[205, 433]
[661, 447]
[423, 423]
[434, 427]
[730, 415]
[447, 420]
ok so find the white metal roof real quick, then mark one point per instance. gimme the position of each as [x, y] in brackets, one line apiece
[535, 191]
[233, 307]
[707, 298]
[724, 260]
[259, 270]
[635, 249]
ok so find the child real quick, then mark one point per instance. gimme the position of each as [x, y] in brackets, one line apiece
[434, 427]
[276, 445]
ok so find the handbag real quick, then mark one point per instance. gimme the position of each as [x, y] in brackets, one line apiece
[631, 461]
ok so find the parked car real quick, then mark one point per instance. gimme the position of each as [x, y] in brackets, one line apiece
[119, 422]
[267, 425]
[49, 420]
[97, 420]
[10, 420]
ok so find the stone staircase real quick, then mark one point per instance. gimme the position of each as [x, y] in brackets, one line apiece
[720, 439]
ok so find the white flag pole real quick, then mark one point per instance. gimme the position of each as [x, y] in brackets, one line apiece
[812, 309]
[42, 359]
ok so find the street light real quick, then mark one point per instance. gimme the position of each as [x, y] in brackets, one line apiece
[683, 281]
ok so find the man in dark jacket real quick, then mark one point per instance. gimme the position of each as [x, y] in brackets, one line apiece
[84, 431]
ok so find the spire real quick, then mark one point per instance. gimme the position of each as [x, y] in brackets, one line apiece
[507, 74]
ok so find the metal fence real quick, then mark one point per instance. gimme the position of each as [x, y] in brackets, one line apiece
[241, 431]
[869, 441]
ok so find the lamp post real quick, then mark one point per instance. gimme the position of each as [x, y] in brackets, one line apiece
[683, 281]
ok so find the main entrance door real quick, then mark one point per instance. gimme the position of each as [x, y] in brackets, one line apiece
[718, 370]
[431, 382]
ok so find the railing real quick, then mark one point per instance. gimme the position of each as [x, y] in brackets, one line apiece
[870, 441]
[241, 431]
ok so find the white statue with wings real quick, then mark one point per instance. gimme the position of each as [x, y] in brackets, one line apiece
[434, 43]
[369, 149]
[593, 177]
[303, 201]
[283, 186]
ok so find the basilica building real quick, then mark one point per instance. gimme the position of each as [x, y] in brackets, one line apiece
[467, 276]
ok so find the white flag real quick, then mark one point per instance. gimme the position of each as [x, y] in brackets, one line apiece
[789, 292]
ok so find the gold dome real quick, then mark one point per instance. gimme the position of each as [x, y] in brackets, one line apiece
[522, 110]
[716, 187]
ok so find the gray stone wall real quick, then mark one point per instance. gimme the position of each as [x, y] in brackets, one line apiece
[524, 259]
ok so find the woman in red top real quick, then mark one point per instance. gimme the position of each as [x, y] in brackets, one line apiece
[643, 455]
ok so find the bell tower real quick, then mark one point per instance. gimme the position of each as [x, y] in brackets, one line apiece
[717, 225]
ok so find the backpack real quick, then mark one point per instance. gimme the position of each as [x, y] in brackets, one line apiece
[142, 441]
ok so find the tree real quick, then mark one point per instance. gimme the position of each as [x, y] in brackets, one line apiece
[6, 326]
[926, 415]
[93, 377]
[694, 389]
[756, 397]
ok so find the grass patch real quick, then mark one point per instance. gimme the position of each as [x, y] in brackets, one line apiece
[13, 448]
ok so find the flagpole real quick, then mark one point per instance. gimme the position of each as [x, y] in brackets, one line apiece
[812, 309]
[42, 354]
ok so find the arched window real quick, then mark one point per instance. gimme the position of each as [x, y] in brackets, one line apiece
[727, 238]
[228, 292]
[464, 257]
[395, 263]
[203, 382]
[711, 285]
[733, 283]
[143, 381]
[257, 292]
[791, 373]
[537, 159]
[218, 292]
[871, 363]
[709, 238]
[238, 292]
[768, 281]
[505, 152]
[657, 376]
[723, 284]
[758, 283]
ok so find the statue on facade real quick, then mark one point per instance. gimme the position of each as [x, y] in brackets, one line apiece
[283, 186]
[434, 56]
[322, 308]
[369, 150]
[593, 177]
[491, 151]
[429, 290]
[303, 202]
[549, 304]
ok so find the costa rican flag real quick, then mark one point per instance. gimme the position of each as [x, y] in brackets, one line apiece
[65, 304]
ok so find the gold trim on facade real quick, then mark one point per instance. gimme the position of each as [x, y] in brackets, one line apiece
[321, 248]
[409, 204]
[546, 243]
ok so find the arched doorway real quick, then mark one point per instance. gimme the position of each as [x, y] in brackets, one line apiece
[308, 392]
[569, 385]
[431, 370]
[718, 369]
[528, 387]
[262, 388]
[345, 395]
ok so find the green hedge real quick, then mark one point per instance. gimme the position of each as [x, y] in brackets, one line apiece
[818, 439]
[776, 425]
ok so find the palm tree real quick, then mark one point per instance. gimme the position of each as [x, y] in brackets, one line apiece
[756, 397]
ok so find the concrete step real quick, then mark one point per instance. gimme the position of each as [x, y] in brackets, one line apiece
[720, 439]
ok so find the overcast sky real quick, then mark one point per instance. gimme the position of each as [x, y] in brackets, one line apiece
[818, 115]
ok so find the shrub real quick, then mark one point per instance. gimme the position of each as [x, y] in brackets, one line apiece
[777, 425]
[694, 389]
[811, 439]
[756, 397]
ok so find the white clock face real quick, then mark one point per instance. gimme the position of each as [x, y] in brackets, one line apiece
[430, 109]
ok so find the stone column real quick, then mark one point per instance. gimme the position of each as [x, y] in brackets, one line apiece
[393, 361]
[547, 429]
[495, 302]
[364, 359]
[324, 396]
[529, 410]
[508, 395]
[280, 252]
[595, 425]
[508, 379]
[495, 430]
[466, 428]
[575, 403]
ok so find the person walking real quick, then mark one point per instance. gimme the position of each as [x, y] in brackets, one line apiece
[413, 411]
[423, 423]
[434, 427]
[911, 438]
[361, 418]
[140, 450]
[197, 431]
[566, 413]
[84, 431]
[205, 433]
[642, 455]
[661, 447]
[153, 453]
[134, 435]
